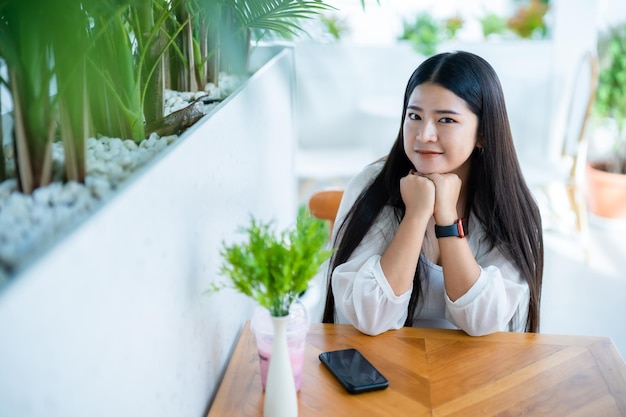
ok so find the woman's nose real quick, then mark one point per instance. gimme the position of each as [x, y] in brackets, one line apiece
[427, 133]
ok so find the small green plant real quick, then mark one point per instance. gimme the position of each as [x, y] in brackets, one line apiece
[273, 269]
[452, 26]
[423, 33]
[492, 24]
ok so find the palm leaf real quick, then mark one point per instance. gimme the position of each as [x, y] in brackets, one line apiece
[279, 16]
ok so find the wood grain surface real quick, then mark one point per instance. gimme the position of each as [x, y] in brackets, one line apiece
[435, 372]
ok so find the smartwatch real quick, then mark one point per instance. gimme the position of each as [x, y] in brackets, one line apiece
[457, 229]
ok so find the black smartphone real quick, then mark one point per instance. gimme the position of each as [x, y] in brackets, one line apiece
[353, 371]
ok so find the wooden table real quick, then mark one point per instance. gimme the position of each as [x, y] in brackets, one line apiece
[434, 372]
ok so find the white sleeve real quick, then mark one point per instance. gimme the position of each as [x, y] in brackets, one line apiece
[498, 300]
[363, 296]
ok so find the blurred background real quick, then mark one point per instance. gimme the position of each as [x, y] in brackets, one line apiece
[351, 73]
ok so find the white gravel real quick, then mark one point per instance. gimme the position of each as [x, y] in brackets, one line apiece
[28, 221]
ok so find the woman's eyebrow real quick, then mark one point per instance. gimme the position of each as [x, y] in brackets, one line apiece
[443, 111]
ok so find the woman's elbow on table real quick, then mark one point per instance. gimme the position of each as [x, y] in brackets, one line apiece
[366, 325]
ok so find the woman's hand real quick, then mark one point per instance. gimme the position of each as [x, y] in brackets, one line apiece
[447, 191]
[418, 195]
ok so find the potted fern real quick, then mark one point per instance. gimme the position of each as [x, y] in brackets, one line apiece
[274, 269]
[606, 179]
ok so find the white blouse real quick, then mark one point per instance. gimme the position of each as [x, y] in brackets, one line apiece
[498, 300]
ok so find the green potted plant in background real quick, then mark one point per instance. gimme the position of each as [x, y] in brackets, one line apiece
[274, 269]
[606, 170]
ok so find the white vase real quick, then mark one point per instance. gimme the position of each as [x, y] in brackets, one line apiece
[280, 392]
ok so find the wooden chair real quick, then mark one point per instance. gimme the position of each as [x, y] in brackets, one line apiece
[578, 115]
[324, 205]
[569, 170]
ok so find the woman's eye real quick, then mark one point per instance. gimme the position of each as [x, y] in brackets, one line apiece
[414, 116]
[446, 120]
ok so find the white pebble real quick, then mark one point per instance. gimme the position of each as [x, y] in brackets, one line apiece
[28, 220]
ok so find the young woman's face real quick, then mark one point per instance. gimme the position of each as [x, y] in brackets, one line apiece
[440, 131]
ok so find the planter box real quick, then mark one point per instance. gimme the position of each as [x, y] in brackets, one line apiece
[113, 320]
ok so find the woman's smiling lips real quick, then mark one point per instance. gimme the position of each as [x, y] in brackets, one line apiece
[425, 153]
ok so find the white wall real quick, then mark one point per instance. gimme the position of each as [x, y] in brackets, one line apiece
[350, 98]
[114, 320]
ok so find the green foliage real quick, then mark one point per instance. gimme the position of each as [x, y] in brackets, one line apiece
[528, 20]
[221, 30]
[273, 269]
[611, 93]
[106, 59]
[114, 84]
[452, 26]
[423, 32]
[492, 24]
[278, 16]
[91, 52]
[334, 25]
[29, 79]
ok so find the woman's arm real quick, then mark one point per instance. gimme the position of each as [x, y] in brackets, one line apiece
[399, 260]
[363, 295]
[484, 293]
[498, 300]
[460, 269]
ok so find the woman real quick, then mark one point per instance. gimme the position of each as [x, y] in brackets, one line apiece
[443, 232]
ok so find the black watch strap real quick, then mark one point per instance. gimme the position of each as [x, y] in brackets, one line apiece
[457, 229]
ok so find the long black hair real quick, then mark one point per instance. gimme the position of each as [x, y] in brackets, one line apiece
[497, 194]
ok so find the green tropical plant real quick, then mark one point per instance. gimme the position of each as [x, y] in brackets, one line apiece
[610, 99]
[86, 70]
[274, 268]
[29, 79]
[97, 67]
[218, 35]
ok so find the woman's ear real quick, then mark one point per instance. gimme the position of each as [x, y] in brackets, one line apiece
[479, 146]
[479, 142]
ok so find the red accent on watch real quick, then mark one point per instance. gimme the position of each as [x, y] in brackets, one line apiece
[459, 225]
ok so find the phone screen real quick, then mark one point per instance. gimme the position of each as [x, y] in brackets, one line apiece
[353, 371]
